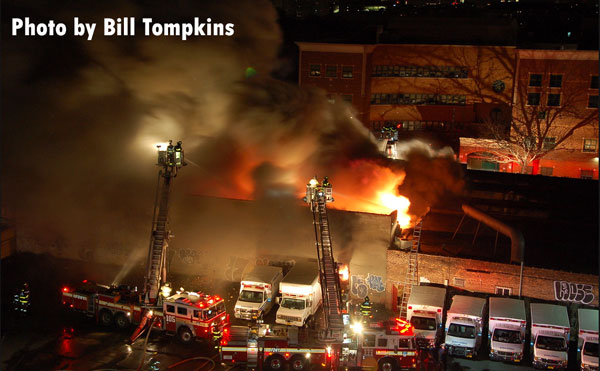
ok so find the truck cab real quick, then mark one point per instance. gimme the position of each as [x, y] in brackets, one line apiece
[587, 339]
[424, 312]
[258, 290]
[300, 295]
[507, 323]
[550, 329]
[464, 326]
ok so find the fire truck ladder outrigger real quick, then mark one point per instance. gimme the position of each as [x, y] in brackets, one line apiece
[412, 269]
[317, 195]
[171, 160]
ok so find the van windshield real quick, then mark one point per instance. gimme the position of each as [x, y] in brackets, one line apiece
[293, 303]
[462, 331]
[423, 323]
[507, 336]
[251, 296]
[551, 343]
[590, 349]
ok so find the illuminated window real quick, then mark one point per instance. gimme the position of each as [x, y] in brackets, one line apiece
[315, 70]
[553, 100]
[594, 82]
[533, 99]
[504, 291]
[586, 174]
[330, 71]
[590, 145]
[347, 72]
[556, 81]
[535, 79]
[593, 101]
[549, 142]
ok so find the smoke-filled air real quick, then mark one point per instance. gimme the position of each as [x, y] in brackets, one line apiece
[83, 119]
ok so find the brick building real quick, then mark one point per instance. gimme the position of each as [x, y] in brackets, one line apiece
[555, 103]
[438, 92]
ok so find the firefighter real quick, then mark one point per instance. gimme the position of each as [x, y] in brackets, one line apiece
[217, 335]
[21, 300]
[365, 309]
[326, 182]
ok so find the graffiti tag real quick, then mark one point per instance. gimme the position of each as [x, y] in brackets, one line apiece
[360, 286]
[190, 256]
[575, 292]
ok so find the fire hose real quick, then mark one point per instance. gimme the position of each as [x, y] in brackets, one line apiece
[146, 343]
[195, 359]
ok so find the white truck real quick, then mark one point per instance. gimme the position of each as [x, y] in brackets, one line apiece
[424, 311]
[258, 290]
[300, 294]
[587, 341]
[549, 335]
[464, 326]
[506, 329]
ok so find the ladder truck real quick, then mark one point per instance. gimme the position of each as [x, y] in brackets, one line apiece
[187, 314]
[385, 346]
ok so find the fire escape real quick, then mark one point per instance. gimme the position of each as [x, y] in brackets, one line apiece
[317, 196]
[171, 159]
[412, 274]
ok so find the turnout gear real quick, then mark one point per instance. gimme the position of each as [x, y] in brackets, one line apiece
[217, 335]
[326, 182]
[365, 309]
[21, 300]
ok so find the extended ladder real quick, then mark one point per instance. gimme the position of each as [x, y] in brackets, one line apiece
[412, 276]
[317, 196]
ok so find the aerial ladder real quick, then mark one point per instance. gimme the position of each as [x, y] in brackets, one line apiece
[412, 268]
[317, 196]
[170, 159]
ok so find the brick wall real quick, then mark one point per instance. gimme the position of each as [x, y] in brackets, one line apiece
[481, 276]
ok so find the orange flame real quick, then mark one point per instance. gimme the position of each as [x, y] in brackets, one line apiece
[344, 272]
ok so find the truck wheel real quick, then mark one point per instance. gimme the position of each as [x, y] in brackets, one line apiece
[185, 335]
[298, 363]
[387, 364]
[106, 317]
[274, 363]
[122, 321]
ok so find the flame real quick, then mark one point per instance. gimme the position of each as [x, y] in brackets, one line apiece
[344, 272]
[399, 203]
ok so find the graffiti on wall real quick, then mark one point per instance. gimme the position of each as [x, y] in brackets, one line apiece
[276, 263]
[234, 268]
[575, 292]
[360, 285]
[191, 256]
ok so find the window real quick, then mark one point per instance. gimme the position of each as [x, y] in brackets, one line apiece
[535, 79]
[593, 101]
[556, 81]
[542, 115]
[197, 314]
[533, 99]
[418, 99]
[347, 98]
[382, 342]
[182, 311]
[347, 72]
[548, 142]
[315, 70]
[547, 171]
[504, 291]
[330, 71]
[170, 308]
[369, 341]
[460, 282]
[594, 82]
[553, 100]
[590, 145]
[586, 174]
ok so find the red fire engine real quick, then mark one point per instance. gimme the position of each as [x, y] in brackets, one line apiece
[187, 314]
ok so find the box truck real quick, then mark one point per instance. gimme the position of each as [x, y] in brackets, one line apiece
[258, 290]
[300, 294]
[506, 329]
[464, 326]
[549, 335]
[587, 339]
[424, 311]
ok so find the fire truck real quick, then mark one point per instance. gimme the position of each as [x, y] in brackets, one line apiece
[335, 343]
[188, 314]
